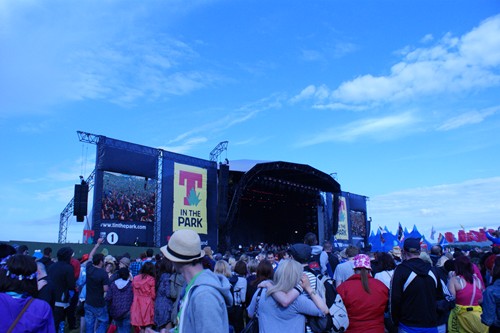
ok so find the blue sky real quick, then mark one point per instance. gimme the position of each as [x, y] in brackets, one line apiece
[400, 98]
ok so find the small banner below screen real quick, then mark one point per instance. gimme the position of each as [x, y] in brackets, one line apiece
[190, 198]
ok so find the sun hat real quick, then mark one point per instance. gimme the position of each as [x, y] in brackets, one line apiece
[362, 261]
[125, 261]
[183, 246]
[109, 258]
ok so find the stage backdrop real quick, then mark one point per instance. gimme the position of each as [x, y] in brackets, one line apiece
[353, 225]
[125, 192]
[189, 197]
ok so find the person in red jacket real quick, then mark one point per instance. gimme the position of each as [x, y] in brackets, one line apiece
[365, 298]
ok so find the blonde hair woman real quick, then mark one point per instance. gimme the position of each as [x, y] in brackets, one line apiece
[222, 267]
[290, 319]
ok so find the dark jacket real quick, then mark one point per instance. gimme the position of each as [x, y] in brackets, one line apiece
[491, 310]
[46, 261]
[415, 304]
[61, 277]
[119, 297]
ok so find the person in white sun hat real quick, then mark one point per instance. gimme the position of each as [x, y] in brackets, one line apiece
[203, 305]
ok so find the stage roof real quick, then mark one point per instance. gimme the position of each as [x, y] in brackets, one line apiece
[292, 173]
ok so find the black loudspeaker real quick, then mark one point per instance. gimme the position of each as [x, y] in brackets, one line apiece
[80, 201]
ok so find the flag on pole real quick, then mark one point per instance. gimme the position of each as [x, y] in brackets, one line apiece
[440, 238]
[400, 232]
[382, 231]
[433, 231]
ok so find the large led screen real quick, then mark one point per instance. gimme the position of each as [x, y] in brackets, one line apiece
[128, 198]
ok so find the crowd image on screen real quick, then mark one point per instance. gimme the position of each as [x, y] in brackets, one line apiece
[358, 224]
[128, 198]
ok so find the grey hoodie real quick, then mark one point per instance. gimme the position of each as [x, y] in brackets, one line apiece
[204, 308]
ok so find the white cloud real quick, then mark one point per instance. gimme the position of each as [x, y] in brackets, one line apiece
[377, 128]
[468, 118]
[427, 38]
[320, 93]
[473, 203]
[451, 65]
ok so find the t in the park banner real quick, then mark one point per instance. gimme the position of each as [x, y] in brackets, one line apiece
[190, 198]
[343, 230]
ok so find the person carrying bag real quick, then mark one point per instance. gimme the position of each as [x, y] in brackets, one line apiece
[467, 318]
[253, 325]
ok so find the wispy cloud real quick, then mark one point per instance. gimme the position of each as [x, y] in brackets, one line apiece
[468, 118]
[186, 145]
[146, 69]
[450, 65]
[377, 128]
[93, 57]
[235, 118]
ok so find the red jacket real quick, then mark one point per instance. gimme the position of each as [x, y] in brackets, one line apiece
[365, 311]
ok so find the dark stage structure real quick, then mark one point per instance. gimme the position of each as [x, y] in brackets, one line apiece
[143, 194]
[278, 203]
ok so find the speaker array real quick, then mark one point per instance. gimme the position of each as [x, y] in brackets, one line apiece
[80, 201]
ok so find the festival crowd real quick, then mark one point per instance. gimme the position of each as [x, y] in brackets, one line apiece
[187, 289]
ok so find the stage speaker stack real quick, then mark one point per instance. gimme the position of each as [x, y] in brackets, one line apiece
[80, 202]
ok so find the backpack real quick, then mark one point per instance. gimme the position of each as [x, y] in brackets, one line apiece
[314, 264]
[337, 319]
[236, 312]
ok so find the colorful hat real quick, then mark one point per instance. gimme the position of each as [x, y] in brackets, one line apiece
[85, 257]
[37, 254]
[362, 261]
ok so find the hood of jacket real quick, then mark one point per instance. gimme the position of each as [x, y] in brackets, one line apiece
[121, 283]
[316, 249]
[417, 265]
[217, 281]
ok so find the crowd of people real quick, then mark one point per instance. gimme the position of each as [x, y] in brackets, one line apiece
[126, 199]
[184, 288]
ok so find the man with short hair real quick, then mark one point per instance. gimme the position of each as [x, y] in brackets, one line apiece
[149, 256]
[203, 307]
[97, 285]
[328, 260]
[270, 257]
[414, 292]
[345, 270]
[436, 254]
[46, 259]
